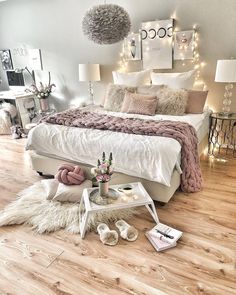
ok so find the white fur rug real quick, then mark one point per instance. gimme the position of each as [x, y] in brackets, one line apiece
[46, 216]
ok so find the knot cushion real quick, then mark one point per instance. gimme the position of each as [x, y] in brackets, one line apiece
[70, 174]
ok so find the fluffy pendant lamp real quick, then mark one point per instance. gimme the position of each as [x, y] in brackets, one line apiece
[106, 24]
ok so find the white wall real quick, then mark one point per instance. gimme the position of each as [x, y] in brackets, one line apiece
[54, 26]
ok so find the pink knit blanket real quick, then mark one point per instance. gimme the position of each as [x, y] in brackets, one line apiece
[185, 134]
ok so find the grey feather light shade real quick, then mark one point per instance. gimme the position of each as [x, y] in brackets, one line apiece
[106, 24]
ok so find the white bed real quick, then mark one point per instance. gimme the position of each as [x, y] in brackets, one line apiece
[149, 158]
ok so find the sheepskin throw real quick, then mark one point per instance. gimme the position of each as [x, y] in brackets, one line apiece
[172, 101]
[5, 122]
[185, 134]
[46, 216]
[106, 24]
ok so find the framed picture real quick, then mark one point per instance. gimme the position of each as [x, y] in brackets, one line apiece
[157, 39]
[35, 59]
[28, 109]
[6, 59]
[132, 47]
[20, 57]
[184, 45]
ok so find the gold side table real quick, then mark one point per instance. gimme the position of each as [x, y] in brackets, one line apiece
[222, 135]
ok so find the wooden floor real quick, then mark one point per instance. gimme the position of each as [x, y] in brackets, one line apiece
[204, 261]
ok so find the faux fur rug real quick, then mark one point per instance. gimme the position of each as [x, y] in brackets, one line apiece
[46, 216]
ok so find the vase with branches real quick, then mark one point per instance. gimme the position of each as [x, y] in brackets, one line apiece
[41, 91]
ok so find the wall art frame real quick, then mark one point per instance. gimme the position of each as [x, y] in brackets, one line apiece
[157, 44]
[132, 47]
[6, 59]
[184, 45]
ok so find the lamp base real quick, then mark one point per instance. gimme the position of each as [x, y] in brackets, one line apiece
[90, 90]
[227, 99]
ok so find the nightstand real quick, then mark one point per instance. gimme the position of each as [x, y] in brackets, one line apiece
[222, 135]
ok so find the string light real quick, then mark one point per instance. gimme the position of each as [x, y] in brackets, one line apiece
[196, 61]
[122, 62]
[198, 64]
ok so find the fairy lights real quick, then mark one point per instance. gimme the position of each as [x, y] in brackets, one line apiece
[122, 62]
[198, 64]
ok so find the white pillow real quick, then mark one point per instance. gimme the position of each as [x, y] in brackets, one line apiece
[56, 191]
[174, 80]
[71, 193]
[133, 79]
[50, 186]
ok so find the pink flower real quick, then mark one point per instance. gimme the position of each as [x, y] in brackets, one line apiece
[99, 178]
[103, 178]
[103, 166]
[106, 177]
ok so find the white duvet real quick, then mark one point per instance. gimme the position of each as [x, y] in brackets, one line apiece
[150, 157]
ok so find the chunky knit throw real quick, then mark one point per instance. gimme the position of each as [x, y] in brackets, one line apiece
[185, 134]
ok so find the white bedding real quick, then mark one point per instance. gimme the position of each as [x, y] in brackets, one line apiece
[150, 157]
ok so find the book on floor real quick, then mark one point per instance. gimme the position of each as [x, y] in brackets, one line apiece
[158, 244]
[163, 237]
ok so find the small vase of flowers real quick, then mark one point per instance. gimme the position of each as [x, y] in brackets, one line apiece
[41, 91]
[102, 174]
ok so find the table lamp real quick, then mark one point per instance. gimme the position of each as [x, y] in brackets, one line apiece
[89, 73]
[226, 73]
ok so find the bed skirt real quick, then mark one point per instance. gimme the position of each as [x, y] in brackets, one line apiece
[159, 192]
[49, 165]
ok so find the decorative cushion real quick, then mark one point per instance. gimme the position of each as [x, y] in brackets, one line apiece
[196, 101]
[174, 80]
[142, 106]
[115, 96]
[70, 174]
[133, 79]
[150, 89]
[56, 191]
[129, 96]
[72, 194]
[50, 186]
[172, 102]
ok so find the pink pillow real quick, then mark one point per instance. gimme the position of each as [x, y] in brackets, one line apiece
[70, 174]
[129, 96]
[143, 106]
[196, 101]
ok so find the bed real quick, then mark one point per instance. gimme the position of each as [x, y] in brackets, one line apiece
[153, 160]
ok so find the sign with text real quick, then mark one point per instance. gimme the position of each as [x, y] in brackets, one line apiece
[157, 40]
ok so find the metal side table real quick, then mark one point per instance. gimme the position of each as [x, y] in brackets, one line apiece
[222, 135]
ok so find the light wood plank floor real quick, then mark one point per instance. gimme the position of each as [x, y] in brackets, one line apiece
[204, 262]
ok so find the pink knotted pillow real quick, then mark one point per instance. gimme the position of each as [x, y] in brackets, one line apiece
[69, 174]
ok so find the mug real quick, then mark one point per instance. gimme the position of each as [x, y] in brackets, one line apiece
[127, 190]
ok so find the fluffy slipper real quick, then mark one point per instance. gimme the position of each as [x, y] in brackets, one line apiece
[107, 236]
[127, 231]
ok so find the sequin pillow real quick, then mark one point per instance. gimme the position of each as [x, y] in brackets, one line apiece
[128, 98]
[143, 106]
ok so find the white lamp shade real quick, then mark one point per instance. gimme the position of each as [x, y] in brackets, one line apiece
[89, 72]
[226, 71]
